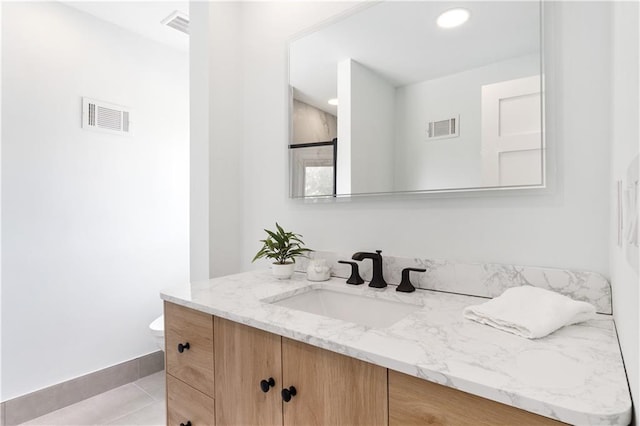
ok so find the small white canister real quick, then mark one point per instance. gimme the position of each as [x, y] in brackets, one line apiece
[318, 270]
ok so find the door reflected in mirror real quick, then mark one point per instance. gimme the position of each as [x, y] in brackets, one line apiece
[419, 108]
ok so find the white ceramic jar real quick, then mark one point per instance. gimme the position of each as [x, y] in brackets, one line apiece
[318, 270]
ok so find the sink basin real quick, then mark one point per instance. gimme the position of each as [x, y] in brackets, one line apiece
[356, 308]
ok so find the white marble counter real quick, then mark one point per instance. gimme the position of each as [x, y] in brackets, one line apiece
[575, 375]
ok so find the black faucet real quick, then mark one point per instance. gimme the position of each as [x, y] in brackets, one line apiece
[377, 281]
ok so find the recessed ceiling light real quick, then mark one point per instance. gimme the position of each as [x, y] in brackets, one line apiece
[333, 101]
[453, 18]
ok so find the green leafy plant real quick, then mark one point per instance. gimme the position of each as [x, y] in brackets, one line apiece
[282, 246]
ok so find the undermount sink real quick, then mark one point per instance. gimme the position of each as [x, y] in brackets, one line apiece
[356, 308]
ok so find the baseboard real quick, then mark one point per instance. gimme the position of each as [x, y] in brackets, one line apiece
[41, 402]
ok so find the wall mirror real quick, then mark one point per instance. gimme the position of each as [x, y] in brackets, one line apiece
[386, 100]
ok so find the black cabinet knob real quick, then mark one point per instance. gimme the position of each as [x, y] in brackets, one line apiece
[287, 394]
[186, 424]
[265, 385]
[182, 348]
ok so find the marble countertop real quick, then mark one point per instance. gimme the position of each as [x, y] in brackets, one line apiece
[575, 375]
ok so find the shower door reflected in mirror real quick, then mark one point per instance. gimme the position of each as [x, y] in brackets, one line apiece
[420, 108]
[314, 169]
[312, 153]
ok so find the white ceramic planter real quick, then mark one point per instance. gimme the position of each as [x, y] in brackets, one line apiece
[283, 271]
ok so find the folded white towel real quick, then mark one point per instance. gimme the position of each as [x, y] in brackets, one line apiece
[530, 312]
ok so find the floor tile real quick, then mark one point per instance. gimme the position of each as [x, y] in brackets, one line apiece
[99, 409]
[151, 415]
[154, 385]
[44, 401]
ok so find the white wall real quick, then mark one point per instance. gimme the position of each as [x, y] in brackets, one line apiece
[199, 43]
[343, 150]
[372, 131]
[93, 225]
[625, 113]
[365, 130]
[421, 163]
[225, 127]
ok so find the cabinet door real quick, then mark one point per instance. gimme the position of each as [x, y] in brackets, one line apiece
[185, 404]
[413, 401]
[192, 365]
[332, 389]
[244, 356]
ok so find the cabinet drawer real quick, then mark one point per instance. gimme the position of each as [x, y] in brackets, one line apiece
[413, 401]
[185, 404]
[194, 331]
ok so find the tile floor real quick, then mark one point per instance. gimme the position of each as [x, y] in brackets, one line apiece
[139, 403]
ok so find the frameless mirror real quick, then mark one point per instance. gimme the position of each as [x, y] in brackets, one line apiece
[385, 100]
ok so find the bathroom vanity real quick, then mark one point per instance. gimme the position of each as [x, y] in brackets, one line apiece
[236, 355]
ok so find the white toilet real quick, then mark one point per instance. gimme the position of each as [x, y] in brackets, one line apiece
[157, 331]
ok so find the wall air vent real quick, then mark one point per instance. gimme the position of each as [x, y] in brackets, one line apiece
[105, 117]
[449, 128]
[178, 21]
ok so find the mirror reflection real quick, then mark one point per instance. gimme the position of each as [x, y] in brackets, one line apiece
[387, 100]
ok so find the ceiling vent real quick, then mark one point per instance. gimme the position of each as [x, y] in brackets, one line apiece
[105, 117]
[178, 21]
[449, 128]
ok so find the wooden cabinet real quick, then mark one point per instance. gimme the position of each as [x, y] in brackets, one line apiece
[186, 404]
[331, 389]
[244, 357]
[189, 366]
[193, 361]
[413, 401]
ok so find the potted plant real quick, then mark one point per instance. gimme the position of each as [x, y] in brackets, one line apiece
[283, 247]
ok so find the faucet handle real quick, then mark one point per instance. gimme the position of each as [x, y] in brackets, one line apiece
[355, 276]
[405, 285]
